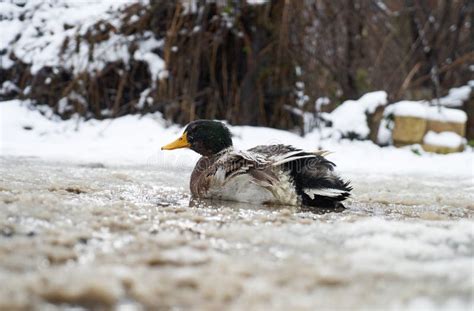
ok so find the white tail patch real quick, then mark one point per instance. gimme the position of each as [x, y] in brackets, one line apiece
[326, 192]
[292, 159]
[322, 153]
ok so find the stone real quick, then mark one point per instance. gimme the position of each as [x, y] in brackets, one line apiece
[440, 126]
[441, 149]
[408, 130]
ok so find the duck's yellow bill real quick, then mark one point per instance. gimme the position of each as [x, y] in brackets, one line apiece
[181, 142]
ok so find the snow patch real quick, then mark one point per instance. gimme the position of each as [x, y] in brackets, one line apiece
[9, 87]
[256, 2]
[320, 102]
[45, 34]
[156, 65]
[421, 109]
[37, 31]
[456, 96]
[446, 115]
[384, 135]
[406, 108]
[443, 139]
[351, 115]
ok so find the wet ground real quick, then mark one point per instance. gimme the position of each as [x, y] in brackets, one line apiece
[128, 238]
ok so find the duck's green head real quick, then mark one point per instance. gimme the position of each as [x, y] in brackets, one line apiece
[206, 137]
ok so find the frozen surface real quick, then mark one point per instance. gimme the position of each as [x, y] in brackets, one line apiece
[444, 139]
[95, 235]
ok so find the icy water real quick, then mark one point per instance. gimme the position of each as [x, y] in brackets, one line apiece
[129, 238]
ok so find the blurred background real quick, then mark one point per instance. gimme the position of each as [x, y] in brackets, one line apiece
[279, 63]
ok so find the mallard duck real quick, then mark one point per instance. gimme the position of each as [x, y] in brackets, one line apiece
[267, 174]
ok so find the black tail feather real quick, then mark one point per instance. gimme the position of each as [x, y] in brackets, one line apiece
[316, 174]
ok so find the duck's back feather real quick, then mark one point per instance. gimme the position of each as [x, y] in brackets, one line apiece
[289, 175]
[220, 172]
[312, 174]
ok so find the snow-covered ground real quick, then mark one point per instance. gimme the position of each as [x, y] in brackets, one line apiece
[137, 140]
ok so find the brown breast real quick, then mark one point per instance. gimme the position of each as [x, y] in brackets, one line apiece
[199, 183]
